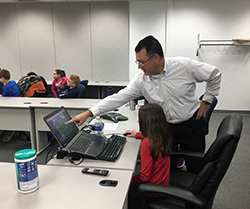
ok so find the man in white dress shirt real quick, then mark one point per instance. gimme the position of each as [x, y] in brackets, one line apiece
[170, 82]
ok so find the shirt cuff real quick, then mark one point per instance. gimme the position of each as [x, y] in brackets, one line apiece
[208, 98]
[94, 110]
[138, 135]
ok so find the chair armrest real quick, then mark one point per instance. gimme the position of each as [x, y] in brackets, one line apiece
[172, 191]
[190, 155]
[194, 155]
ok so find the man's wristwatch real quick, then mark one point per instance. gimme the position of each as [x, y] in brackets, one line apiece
[206, 102]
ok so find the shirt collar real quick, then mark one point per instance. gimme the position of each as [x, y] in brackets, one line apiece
[163, 73]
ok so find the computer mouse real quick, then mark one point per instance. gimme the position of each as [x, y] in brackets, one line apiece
[111, 183]
[125, 134]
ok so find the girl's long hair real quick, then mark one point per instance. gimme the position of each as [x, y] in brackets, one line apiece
[154, 126]
[60, 72]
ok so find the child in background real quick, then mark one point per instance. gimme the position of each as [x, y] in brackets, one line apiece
[70, 90]
[59, 81]
[9, 89]
[155, 149]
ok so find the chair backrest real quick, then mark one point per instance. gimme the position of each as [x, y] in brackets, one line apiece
[209, 112]
[85, 83]
[45, 83]
[218, 157]
[1, 86]
[81, 88]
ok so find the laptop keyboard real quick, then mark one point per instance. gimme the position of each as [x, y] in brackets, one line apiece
[83, 142]
[113, 148]
[111, 151]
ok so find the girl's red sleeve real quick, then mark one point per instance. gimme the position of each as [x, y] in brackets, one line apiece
[146, 165]
[53, 88]
[138, 135]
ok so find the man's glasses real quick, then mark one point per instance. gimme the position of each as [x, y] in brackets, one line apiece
[142, 63]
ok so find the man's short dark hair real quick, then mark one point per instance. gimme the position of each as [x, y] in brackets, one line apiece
[5, 74]
[152, 46]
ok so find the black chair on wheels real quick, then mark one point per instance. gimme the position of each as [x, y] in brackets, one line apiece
[81, 88]
[85, 83]
[197, 191]
[1, 86]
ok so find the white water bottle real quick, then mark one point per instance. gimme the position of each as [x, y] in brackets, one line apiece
[98, 126]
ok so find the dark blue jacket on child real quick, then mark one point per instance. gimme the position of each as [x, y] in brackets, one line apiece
[66, 92]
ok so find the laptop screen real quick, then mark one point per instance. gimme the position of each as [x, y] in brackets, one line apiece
[56, 122]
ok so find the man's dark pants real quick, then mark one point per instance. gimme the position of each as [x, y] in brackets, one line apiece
[189, 136]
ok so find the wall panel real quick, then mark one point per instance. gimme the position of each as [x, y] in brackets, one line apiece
[72, 38]
[9, 47]
[109, 31]
[36, 38]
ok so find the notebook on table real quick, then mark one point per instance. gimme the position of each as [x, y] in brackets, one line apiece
[73, 140]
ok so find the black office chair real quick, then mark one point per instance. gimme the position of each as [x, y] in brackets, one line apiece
[45, 84]
[209, 112]
[85, 83]
[188, 190]
[1, 86]
[81, 88]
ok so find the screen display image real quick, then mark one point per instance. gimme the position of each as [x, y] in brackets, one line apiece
[62, 131]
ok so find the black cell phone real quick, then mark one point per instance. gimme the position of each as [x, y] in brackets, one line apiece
[95, 171]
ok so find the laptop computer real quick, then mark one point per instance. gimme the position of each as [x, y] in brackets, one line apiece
[69, 135]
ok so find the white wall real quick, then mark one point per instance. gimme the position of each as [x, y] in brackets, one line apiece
[72, 38]
[87, 39]
[110, 38]
[176, 23]
[216, 19]
[9, 46]
[35, 39]
[145, 18]
[181, 21]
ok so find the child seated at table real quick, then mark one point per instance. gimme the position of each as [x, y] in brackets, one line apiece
[155, 150]
[9, 89]
[70, 90]
[59, 81]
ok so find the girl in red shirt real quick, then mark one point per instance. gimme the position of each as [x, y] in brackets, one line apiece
[155, 149]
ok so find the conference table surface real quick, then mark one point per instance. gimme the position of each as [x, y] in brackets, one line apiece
[26, 113]
[126, 161]
[16, 115]
[61, 184]
[19, 113]
[128, 157]
[64, 187]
